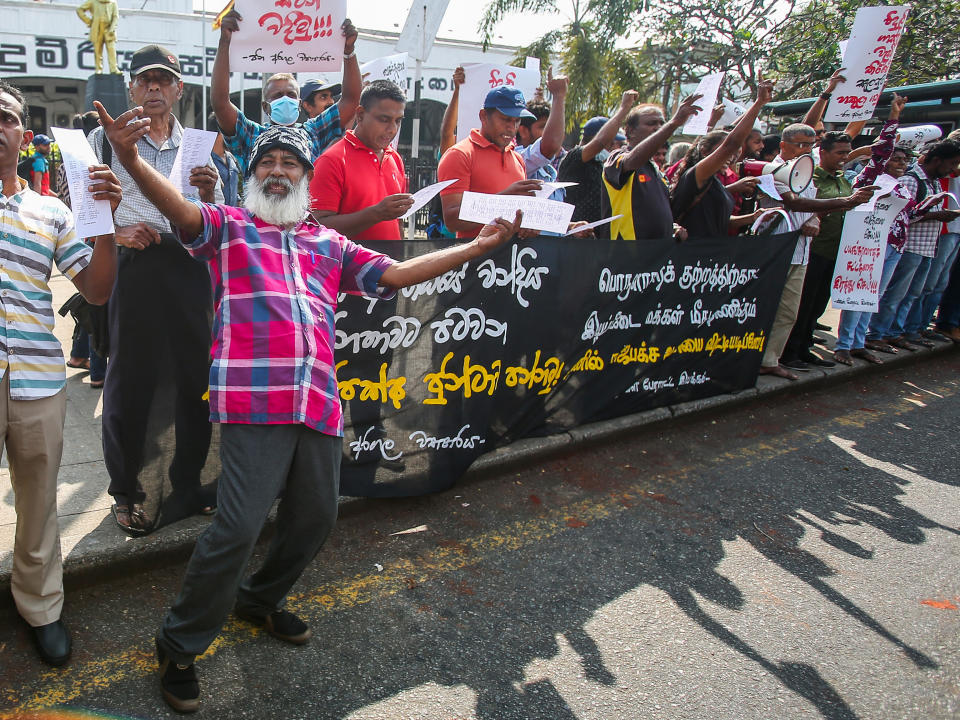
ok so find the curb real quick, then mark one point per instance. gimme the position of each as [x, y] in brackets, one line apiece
[104, 551]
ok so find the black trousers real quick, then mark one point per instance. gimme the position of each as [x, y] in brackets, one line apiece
[813, 303]
[156, 428]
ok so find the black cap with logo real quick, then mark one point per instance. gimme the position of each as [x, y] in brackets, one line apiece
[154, 57]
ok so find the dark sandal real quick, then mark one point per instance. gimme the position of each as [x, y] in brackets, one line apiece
[133, 522]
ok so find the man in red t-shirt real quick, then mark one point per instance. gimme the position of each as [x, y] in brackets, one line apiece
[359, 187]
[485, 161]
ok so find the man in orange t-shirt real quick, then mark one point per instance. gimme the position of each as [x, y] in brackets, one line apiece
[359, 187]
[486, 162]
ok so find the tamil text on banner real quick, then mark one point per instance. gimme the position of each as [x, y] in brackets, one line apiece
[540, 337]
[288, 36]
[856, 276]
[481, 78]
[866, 60]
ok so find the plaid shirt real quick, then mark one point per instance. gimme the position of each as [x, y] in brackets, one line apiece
[921, 234]
[36, 231]
[134, 207]
[323, 130]
[275, 297]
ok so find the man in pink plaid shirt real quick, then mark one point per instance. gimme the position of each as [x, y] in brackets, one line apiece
[276, 274]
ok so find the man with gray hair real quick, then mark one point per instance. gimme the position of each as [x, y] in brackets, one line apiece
[796, 140]
[273, 387]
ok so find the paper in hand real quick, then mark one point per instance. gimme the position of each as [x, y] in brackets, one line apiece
[591, 226]
[709, 88]
[90, 217]
[424, 195]
[195, 148]
[769, 186]
[548, 188]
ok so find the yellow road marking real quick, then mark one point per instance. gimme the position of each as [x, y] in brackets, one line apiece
[66, 685]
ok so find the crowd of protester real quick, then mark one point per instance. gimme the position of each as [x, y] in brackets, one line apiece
[276, 193]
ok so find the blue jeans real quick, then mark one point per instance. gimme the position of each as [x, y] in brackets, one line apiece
[937, 278]
[886, 316]
[914, 291]
[852, 331]
[948, 317]
[81, 349]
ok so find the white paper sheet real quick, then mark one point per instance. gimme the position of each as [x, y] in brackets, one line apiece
[591, 226]
[709, 87]
[273, 38]
[424, 195]
[195, 148]
[886, 185]
[91, 217]
[538, 213]
[769, 186]
[932, 200]
[548, 188]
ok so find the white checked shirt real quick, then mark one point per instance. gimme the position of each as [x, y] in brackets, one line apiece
[922, 234]
[135, 207]
[801, 253]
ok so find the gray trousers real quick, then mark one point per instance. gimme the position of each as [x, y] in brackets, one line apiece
[258, 463]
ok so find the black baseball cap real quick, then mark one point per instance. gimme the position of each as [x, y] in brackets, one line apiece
[154, 57]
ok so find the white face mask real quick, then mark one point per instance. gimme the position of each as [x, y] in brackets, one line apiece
[602, 156]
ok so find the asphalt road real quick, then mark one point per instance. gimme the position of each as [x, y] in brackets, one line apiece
[798, 558]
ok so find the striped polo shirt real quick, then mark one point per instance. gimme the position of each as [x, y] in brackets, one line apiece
[35, 232]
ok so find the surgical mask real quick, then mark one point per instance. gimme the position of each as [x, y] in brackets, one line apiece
[284, 111]
[602, 156]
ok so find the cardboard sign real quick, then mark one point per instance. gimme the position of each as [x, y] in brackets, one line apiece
[866, 60]
[420, 28]
[289, 36]
[856, 276]
[481, 78]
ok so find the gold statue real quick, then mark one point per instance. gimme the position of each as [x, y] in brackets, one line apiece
[101, 17]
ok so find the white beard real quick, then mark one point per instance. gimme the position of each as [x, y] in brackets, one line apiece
[284, 210]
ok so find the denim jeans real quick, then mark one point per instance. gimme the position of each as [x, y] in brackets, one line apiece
[81, 349]
[948, 316]
[914, 291]
[937, 278]
[852, 331]
[886, 315]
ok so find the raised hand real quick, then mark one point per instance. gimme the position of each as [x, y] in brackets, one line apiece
[764, 90]
[459, 76]
[896, 106]
[124, 131]
[835, 80]
[349, 36]
[230, 23]
[688, 108]
[496, 233]
[557, 85]
[629, 99]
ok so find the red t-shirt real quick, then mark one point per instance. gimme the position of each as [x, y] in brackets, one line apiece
[479, 166]
[368, 181]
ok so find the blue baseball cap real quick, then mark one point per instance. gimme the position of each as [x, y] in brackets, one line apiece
[41, 139]
[592, 126]
[507, 100]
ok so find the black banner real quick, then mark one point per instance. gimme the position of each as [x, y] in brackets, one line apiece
[540, 337]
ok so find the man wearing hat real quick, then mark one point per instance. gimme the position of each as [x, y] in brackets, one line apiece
[584, 163]
[159, 324]
[282, 99]
[40, 165]
[486, 161]
[317, 95]
[276, 401]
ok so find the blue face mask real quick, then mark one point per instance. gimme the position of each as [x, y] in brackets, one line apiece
[602, 156]
[284, 111]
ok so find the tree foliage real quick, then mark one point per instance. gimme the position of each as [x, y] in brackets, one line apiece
[809, 52]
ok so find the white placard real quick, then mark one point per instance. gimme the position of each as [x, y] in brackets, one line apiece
[885, 185]
[481, 79]
[420, 28]
[538, 213]
[709, 87]
[769, 215]
[863, 243]
[90, 217]
[275, 36]
[866, 61]
[591, 226]
[548, 188]
[195, 148]
[424, 195]
[532, 63]
[769, 186]
[843, 49]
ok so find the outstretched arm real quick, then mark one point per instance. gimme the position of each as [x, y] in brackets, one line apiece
[423, 268]
[352, 82]
[123, 134]
[609, 130]
[223, 108]
[448, 128]
[552, 138]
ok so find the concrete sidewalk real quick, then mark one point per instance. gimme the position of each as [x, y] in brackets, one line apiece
[92, 543]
